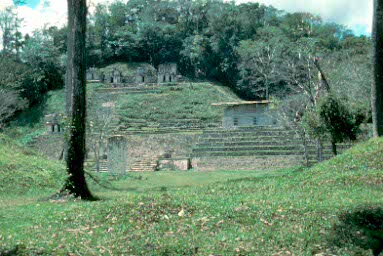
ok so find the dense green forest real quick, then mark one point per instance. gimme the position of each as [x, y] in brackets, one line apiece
[258, 51]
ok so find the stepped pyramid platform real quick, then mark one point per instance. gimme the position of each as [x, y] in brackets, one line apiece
[251, 148]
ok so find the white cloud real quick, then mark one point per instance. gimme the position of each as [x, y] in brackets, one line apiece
[52, 14]
[5, 3]
[352, 13]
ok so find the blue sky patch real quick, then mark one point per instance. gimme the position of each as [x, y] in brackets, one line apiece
[30, 3]
[361, 30]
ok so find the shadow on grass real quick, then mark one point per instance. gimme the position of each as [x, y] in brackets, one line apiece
[362, 227]
[19, 250]
[14, 251]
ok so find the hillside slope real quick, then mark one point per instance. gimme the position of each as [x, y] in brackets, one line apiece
[23, 170]
[183, 104]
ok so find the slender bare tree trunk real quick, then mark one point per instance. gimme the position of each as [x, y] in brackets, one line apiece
[75, 101]
[319, 147]
[305, 148]
[377, 86]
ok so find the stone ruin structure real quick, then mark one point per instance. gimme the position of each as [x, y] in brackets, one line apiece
[113, 77]
[145, 73]
[167, 73]
[54, 123]
[92, 74]
[117, 148]
[245, 114]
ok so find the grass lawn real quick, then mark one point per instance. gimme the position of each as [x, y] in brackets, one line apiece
[175, 103]
[331, 209]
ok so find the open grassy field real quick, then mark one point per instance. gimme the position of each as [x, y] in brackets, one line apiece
[331, 209]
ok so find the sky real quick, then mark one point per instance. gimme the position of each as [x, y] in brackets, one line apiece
[355, 14]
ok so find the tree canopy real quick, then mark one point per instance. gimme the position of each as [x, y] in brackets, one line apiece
[260, 52]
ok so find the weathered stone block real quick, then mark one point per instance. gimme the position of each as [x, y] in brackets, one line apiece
[117, 156]
[175, 164]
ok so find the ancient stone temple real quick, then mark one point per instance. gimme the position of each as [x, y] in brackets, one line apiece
[53, 123]
[92, 74]
[123, 73]
[246, 113]
[113, 77]
[145, 75]
[167, 73]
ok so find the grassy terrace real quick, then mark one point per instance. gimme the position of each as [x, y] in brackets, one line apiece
[144, 109]
[171, 105]
[329, 209]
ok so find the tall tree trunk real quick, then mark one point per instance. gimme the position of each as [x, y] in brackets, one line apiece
[97, 155]
[377, 86]
[319, 147]
[75, 101]
[333, 148]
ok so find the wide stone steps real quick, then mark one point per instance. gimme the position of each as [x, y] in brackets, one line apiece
[260, 145]
[130, 90]
[326, 153]
[247, 139]
[163, 125]
[254, 148]
[244, 142]
[235, 147]
[246, 163]
[248, 153]
[144, 165]
[254, 134]
[92, 165]
[157, 131]
[245, 129]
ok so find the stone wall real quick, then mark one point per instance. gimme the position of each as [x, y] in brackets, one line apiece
[259, 148]
[245, 163]
[117, 158]
[117, 74]
[93, 74]
[145, 75]
[167, 73]
[160, 146]
[174, 164]
[246, 115]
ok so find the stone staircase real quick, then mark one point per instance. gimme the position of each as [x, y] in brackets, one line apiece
[144, 164]
[140, 126]
[92, 165]
[249, 148]
[131, 90]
